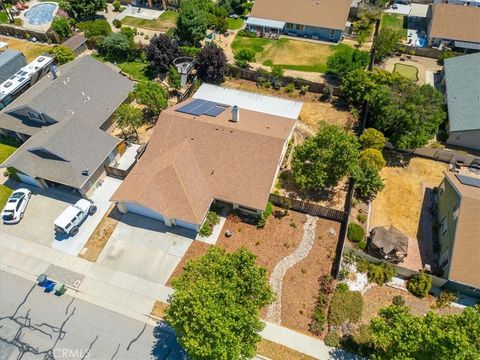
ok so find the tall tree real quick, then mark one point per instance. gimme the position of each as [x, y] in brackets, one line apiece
[211, 64]
[386, 42]
[161, 52]
[62, 54]
[82, 9]
[192, 22]
[128, 117]
[346, 59]
[116, 47]
[215, 307]
[322, 161]
[61, 26]
[151, 94]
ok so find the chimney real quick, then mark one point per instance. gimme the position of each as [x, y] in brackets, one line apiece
[53, 70]
[235, 114]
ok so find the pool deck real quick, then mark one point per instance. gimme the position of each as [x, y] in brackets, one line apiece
[40, 28]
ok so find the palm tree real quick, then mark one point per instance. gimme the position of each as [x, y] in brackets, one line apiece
[128, 116]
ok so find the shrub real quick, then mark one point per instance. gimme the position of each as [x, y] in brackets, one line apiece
[117, 23]
[362, 217]
[447, 54]
[398, 300]
[445, 298]
[362, 265]
[268, 210]
[318, 321]
[343, 274]
[290, 88]
[342, 287]
[190, 51]
[346, 306]
[174, 78]
[303, 89]
[243, 57]
[356, 232]
[381, 273]
[372, 157]
[419, 284]
[333, 339]
[213, 218]
[206, 229]
[362, 244]
[372, 139]
[116, 5]
[62, 54]
[99, 27]
[61, 26]
[246, 33]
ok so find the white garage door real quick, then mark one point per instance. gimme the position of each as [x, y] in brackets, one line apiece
[186, 224]
[28, 180]
[141, 210]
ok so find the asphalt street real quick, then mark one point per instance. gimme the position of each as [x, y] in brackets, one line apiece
[39, 325]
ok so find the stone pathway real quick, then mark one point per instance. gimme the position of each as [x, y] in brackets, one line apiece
[274, 312]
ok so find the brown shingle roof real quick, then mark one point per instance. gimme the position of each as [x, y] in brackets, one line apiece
[191, 160]
[466, 249]
[330, 14]
[455, 22]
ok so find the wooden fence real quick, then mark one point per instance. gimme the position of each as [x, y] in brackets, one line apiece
[19, 32]
[308, 208]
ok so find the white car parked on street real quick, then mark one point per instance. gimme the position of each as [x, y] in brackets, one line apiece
[16, 205]
[73, 216]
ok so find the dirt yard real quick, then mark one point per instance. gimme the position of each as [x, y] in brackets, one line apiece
[276, 351]
[300, 284]
[381, 296]
[400, 203]
[29, 49]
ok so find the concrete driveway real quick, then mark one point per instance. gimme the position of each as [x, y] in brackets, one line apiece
[145, 248]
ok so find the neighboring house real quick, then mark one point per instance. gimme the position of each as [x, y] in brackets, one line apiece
[459, 233]
[62, 121]
[461, 2]
[315, 19]
[462, 82]
[10, 62]
[77, 43]
[454, 26]
[202, 152]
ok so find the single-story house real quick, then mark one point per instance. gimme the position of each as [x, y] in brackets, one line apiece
[77, 43]
[203, 152]
[454, 26]
[315, 19]
[61, 121]
[462, 83]
[461, 2]
[10, 62]
[459, 232]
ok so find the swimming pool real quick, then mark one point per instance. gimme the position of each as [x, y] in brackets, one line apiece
[41, 14]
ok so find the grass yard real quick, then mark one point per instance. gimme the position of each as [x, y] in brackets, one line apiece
[289, 54]
[136, 69]
[5, 192]
[409, 71]
[29, 49]
[3, 17]
[400, 202]
[164, 22]
[234, 24]
[8, 146]
[394, 21]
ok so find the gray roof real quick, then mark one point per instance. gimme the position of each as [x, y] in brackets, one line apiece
[79, 101]
[389, 239]
[10, 62]
[75, 41]
[462, 74]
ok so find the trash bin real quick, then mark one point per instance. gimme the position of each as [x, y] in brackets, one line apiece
[41, 280]
[49, 285]
[60, 289]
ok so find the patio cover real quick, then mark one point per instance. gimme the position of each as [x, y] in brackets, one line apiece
[419, 10]
[389, 239]
[265, 22]
[467, 45]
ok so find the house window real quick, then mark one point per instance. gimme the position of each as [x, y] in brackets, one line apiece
[289, 26]
[34, 116]
[299, 27]
[456, 210]
[444, 225]
[444, 260]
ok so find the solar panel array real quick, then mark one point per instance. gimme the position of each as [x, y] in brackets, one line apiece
[200, 107]
[467, 180]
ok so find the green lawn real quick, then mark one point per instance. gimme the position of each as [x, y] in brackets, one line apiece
[136, 69]
[287, 53]
[394, 21]
[5, 192]
[164, 22]
[234, 24]
[3, 17]
[409, 71]
[8, 146]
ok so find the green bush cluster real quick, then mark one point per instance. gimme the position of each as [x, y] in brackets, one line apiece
[362, 217]
[262, 219]
[419, 284]
[246, 33]
[333, 339]
[317, 325]
[379, 274]
[398, 300]
[99, 27]
[190, 51]
[355, 233]
[346, 306]
[445, 299]
[207, 227]
[243, 57]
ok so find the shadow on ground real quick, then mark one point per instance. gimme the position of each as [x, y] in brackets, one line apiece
[166, 346]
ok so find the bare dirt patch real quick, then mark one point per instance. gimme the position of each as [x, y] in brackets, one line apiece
[100, 236]
[300, 284]
[159, 309]
[196, 249]
[400, 202]
[380, 296]
[279, 352]
[29, 49]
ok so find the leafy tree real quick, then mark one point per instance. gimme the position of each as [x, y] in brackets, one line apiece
[174, 77]
[61, 26]
[161, 52]
[211, 64]
[235, 6]
[373, 157]
[356, 86]
[128, 117]
[215, 307]
[372, 139]
[192, 22]
[386, 42]
[152, 95]
[420, 284]
[346, 59]
[368, 181]
[397, 334]
[363, 28]
[82, 9]
[116, 5]
[243, 57]
[322, 161]
[62, 54]
[116, 47]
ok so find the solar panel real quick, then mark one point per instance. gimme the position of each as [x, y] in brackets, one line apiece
[202, 108]
[467, 180]
[190, 106]
[215, 111]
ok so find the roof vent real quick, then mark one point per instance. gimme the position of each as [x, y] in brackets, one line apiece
[86, 172]
[235, 114]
